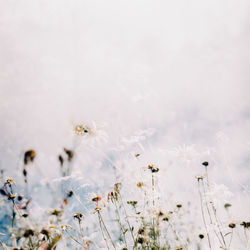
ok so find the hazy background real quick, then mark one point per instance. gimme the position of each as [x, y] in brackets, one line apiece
[171, 75]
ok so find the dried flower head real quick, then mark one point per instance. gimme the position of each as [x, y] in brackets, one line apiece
[56, 212]
[61, 160]
[70, 193]
[205, 163]
[227, 205]
[82, 130]
[98, 208]
[28, 233]
[139, 184]
[179, 248]
[3, 192]
[79, 216]
[12, 196]
[132, 203]
[153, 168]
[97, 198]
[179, 206]
[64, 227]
[245, 224]
[69, 153]
[199, 177]
[201, 236]
[45, 232]
[232, 225]
[165, 218]
[160, 213]
[29, 156]
[10, 182]
[117, 187]
[113, 196]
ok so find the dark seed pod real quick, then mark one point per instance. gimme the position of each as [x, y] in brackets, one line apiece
[205, 163]
[24, 172]
[232, 225]
[45, 232]
[70, 193]
[245, 224]
[19, 197]
[28, 232]
[201, 236]
[61, 160]
[69, 153]
[165, 218]
[227, 205]
[2, 192]
[140, 240]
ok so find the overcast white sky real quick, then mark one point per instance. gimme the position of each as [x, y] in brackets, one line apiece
[178, 67]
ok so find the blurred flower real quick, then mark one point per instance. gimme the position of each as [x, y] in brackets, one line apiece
[79, 216]
[56, 212]
[245, 224]
[199, 177]
[232, 225]
[205, 163]
[98, 208]
[153, 168]
[29, 156]
[96, 199]
[69, 153]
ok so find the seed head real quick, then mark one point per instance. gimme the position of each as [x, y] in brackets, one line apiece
[29, 156]
[245, 224]
[227, 205]
[97, 198]
[117, 187]
[201, 236]
[56, 212]
[199, 177]
[69, 153]
[98, 208]
[179, 206]
[165, 218]
[232, 225]
[10, 182]
[205, 163]
[139, 184]
[132, 203]
[28, 232]
[153, 168]
[61, 160]
[78, 216]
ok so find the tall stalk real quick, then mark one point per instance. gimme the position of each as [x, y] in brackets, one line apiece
[120, 223]
[203, 217]
[102, 221]
[103, 235]
[215, 213]
[126, 217]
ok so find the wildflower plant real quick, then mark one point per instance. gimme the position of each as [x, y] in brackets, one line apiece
[135, 212]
